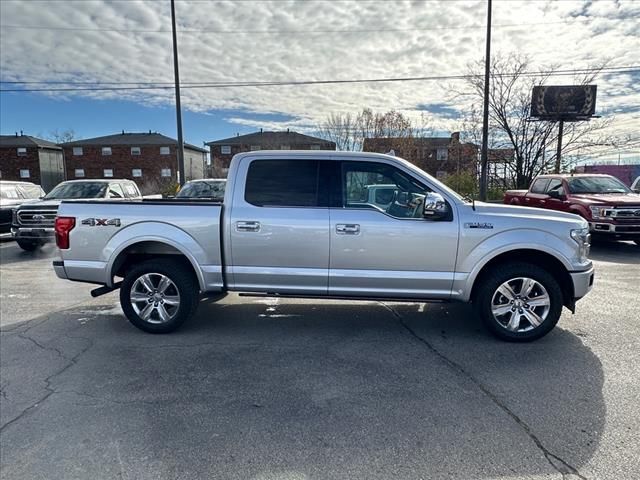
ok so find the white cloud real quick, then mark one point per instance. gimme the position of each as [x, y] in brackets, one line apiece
[437, 38]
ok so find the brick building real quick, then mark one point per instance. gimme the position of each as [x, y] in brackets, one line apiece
[30, 159]
[150, 159]
[438, 156]
[222, 151]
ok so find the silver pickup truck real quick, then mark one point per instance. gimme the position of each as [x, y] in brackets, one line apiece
[299, 224]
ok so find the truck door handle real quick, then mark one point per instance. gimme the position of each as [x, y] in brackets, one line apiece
[247, 226]
[348, 228]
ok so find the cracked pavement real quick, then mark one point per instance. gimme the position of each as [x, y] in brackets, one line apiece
[296, 389]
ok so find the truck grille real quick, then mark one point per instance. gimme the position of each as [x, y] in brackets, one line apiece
[40, 218]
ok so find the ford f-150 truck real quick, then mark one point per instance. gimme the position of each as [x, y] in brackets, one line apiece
[611, 208]
[294, 223]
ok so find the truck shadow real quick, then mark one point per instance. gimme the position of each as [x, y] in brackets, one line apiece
[298, 387]
[615, 252]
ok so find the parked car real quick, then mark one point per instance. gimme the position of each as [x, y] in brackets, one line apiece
[13, 194]
[635, 186]
[33, 223]
[286, 229]
[212, 188]
[611, 208]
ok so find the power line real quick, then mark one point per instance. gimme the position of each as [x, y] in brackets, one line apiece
[291, 32]
[165, 85]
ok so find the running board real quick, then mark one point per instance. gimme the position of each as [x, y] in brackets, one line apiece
[339, 297]
[97, 292]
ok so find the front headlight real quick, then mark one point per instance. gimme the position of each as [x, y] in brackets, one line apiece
[598, 213]
[583, 238]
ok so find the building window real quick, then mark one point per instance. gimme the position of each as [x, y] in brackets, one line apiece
[225, 149]
[79, 172]
[135, 150]
[108, 172]
[24, 173]
[285, 147]
[165, 172]
[77, 151]
[22, 152]
[164, 151]
[253, 148]
[315, 147]
[442, 154]
[106, 151]
[136, 172]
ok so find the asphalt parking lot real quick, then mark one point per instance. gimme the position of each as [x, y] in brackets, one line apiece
[292, 390]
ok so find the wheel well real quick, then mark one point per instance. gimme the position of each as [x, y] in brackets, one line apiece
[538, 258]
[141, 251]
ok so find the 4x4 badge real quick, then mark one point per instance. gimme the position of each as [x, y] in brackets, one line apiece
[93, 222]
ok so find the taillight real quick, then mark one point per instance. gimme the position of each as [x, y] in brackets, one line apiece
[63, 226]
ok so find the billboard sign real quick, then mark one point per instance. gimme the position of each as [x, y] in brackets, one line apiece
[567, 102]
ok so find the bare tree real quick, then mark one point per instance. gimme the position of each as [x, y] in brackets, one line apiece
[348, 131]
[533, 142]
[62, 136]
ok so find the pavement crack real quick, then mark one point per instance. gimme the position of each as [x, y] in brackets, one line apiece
[71, 361]
[558, 464]
[41, 346]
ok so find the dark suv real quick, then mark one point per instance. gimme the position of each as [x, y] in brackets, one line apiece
[12, 195]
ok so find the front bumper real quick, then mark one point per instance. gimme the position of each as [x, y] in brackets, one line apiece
[620, 231]
[582, 282]
[45, 234]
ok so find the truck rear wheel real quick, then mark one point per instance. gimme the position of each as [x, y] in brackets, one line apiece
[519, 302]
[159, 295]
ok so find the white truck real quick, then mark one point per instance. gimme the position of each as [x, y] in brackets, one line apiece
[294, 224]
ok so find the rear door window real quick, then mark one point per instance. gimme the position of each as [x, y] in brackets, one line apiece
[284, 183]
[130, 190]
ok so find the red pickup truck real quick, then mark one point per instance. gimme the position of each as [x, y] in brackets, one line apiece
[611, 208]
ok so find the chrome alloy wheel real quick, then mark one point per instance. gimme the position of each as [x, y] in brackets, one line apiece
[520, 304]
[155, 298]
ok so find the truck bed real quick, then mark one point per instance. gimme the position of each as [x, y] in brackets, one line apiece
[190, 227]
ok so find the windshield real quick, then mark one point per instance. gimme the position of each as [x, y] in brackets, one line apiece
[31, 191]
[596, 185]
[202, 190]
[77, 190]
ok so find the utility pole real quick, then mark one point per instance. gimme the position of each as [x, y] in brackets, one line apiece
[559, 152]
[180, 149]
[484, 159]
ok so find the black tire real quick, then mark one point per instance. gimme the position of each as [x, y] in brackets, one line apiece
[184, 281]
[29, 245]
[488, 287]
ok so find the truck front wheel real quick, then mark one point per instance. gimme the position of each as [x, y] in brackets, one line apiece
[29, 245]
[519, 302]
[159, 295]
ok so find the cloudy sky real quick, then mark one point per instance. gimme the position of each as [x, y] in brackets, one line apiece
[65, 42]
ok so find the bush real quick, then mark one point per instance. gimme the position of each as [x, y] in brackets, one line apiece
[465, 183]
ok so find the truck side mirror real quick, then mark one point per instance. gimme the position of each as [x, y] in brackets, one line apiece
[435, 207]
[555, 194]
